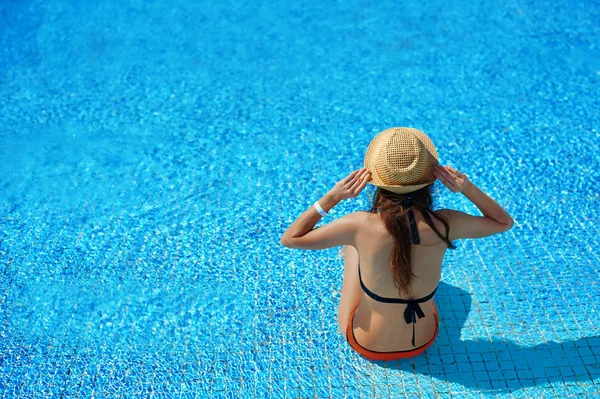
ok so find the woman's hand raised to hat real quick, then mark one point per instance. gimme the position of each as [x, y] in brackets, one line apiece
[455, 181]
[352, 185]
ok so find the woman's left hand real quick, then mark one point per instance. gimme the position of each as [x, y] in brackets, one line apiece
[352, 185]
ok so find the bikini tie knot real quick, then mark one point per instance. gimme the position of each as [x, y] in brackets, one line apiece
[412, 312]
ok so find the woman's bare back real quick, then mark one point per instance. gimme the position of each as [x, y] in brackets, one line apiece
[381, 326]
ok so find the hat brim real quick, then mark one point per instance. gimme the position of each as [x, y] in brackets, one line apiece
[403, 189]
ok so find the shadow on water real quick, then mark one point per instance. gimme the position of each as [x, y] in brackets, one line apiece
[499, 364]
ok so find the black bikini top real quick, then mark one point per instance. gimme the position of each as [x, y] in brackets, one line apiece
[413, 310]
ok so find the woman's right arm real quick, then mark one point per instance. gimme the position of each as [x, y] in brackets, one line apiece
[462, 225]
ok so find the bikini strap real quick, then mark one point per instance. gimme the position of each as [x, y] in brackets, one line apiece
[414, 232]
[427, 217]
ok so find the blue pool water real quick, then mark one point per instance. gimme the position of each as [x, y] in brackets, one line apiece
[152, 153]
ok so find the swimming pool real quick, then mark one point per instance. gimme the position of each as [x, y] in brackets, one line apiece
[152, 154]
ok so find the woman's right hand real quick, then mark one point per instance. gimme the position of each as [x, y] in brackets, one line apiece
[455, 181]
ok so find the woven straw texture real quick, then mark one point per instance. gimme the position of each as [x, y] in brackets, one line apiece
[401, 160]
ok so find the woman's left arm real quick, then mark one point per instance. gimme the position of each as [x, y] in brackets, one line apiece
[302, 234]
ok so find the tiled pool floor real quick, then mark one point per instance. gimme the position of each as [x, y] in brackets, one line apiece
[152, 154]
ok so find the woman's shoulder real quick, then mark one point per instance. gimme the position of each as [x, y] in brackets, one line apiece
[355, 217]
[363, 218]
[448, 214]
[359, 216]
[365, 215]
[453, 216]
[464, 225]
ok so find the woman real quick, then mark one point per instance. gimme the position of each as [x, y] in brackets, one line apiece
[393, 253]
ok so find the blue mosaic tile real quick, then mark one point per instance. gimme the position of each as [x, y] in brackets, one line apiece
[590, 389]
[518, 394]
[397, 395]
[513, 383]
[151, 155]
[499, 384]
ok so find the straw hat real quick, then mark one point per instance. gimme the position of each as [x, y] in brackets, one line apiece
[401, 160]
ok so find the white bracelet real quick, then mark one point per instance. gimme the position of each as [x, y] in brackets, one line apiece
[319, 209]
